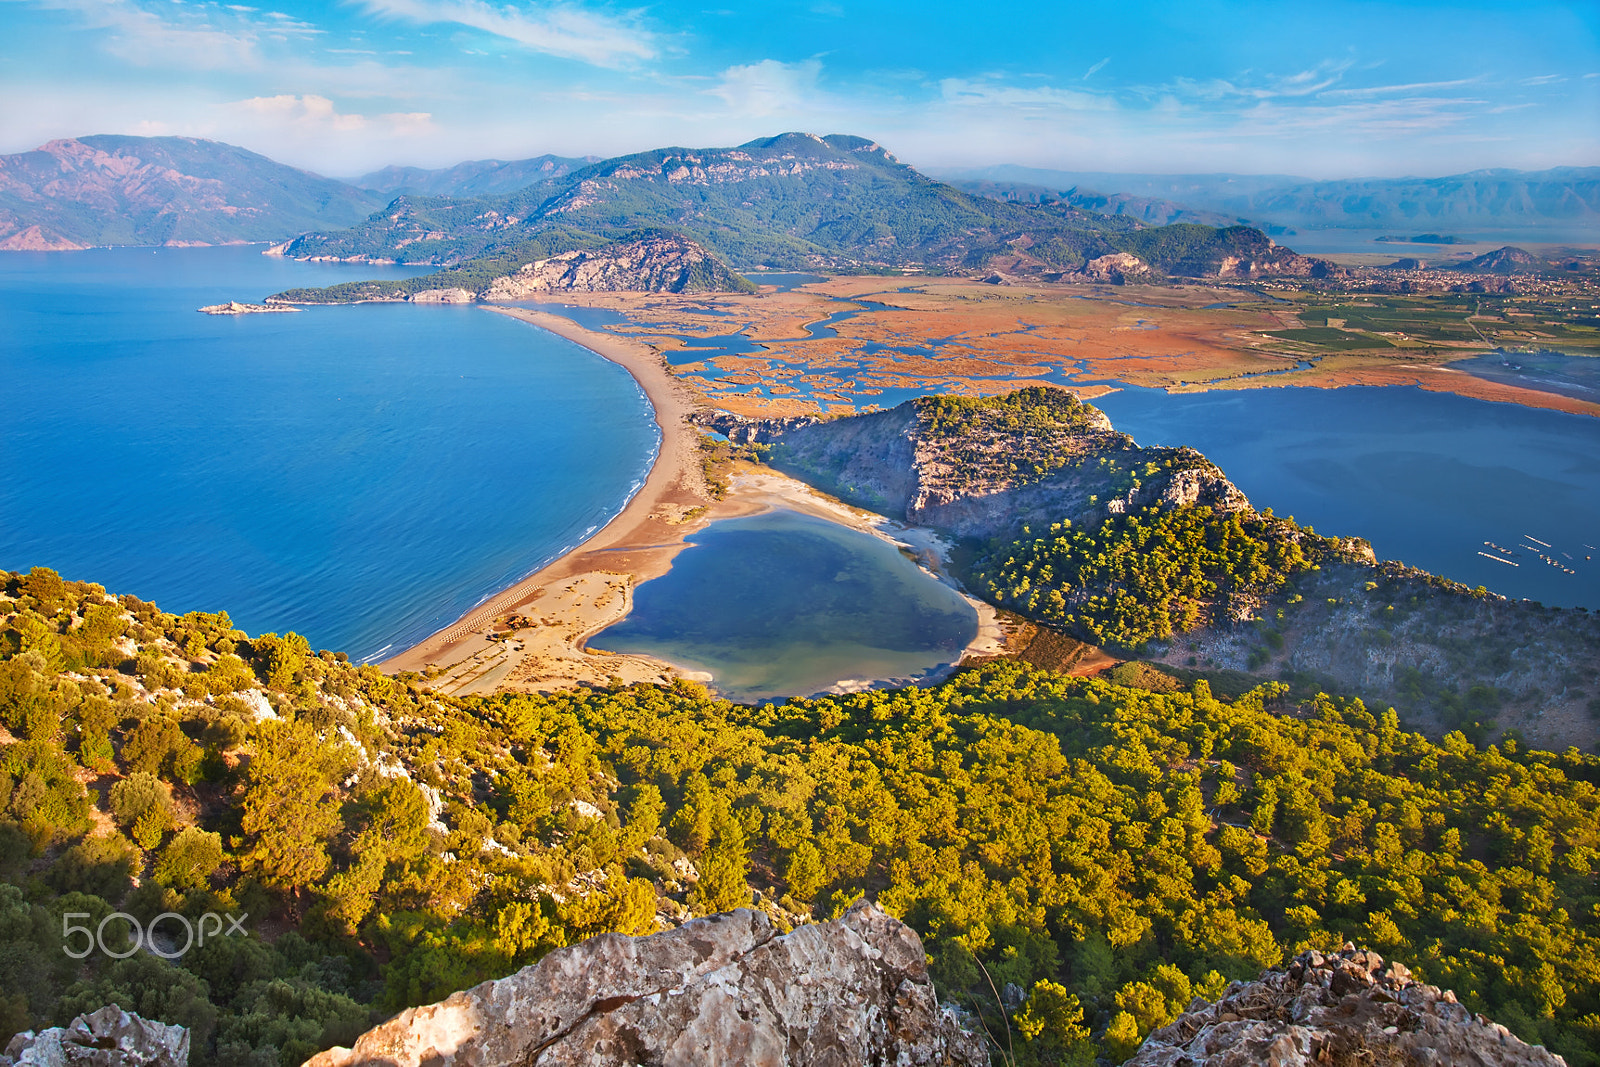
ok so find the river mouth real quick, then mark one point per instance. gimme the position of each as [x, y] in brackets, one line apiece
[1545, 370]
[785, 604]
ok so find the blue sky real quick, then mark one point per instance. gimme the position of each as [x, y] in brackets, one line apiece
[1329, 89]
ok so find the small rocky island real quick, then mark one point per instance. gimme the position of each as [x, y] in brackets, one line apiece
[233, 307]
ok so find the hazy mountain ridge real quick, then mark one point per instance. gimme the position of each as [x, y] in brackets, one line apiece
[478, 177]
[1555, 199]
[114, 190]
[1153, 211]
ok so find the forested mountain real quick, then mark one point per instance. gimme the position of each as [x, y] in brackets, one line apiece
[1112, 850]
[479, 177]
[1560, 200]
[793, 201]
[112, 190]
[784, 201]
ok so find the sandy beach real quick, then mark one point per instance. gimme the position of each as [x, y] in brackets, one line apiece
[531, 636]
[590, 587]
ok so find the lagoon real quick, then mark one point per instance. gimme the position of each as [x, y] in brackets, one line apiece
[784, 604]
[1426, 477]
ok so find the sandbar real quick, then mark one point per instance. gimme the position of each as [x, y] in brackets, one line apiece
[531, 636]
[590, 587]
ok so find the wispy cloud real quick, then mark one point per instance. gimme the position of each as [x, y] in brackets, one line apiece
[182, 36]
[564, 30]
[992, 93]
[318, 113]
[1390, 90]
[769, 87]
[1097, 68]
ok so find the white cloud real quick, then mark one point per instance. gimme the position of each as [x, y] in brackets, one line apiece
[769, 87]
[564, 30]
[1412, 87]
[1096, 69]
[317, 114]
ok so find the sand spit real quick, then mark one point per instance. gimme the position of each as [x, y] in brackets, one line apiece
[590, 587]
[531, 637]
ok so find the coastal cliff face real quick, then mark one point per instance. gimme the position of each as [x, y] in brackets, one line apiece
[987, 472]
[1347, 1008]
[727, 989]
[659, 263]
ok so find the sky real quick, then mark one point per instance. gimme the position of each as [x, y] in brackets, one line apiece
[1324, 89]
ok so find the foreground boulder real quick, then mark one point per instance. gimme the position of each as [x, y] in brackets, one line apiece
[723, 990]
[1343, 1009]
[109, 1037]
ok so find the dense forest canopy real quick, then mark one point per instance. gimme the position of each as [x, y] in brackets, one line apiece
[1112, 851]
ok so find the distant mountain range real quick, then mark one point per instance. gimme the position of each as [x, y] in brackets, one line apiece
[1563, 202]
[480, 177]
[795, 201]
[791, 201]
[111, 190]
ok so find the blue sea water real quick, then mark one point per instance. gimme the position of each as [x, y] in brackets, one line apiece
[360, 474]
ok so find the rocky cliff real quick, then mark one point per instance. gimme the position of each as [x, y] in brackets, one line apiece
[723, 990]
[1344, 1009]
[987, 468]
[653, 263]
[109, 1037]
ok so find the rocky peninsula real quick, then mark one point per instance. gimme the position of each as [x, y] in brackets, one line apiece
[234, 307]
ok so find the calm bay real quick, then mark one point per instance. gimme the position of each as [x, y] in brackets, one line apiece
[361, 474]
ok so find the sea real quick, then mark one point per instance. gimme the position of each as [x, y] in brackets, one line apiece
[359, 474]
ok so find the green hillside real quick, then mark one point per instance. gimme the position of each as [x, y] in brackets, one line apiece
[1113, 850]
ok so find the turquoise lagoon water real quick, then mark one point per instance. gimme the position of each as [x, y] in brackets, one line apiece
[1426, 477]
[783, 604]
[361, 474]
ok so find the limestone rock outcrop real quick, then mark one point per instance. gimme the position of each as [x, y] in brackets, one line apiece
[724, 990]
[1348, 1008]
[109, 1037]
[653, 263]
[990, 478]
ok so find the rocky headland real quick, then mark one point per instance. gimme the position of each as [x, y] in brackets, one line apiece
[996, 473]
[233, 307]
[656, 263]
[984, 469]
[726, 989]
[645, 262]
